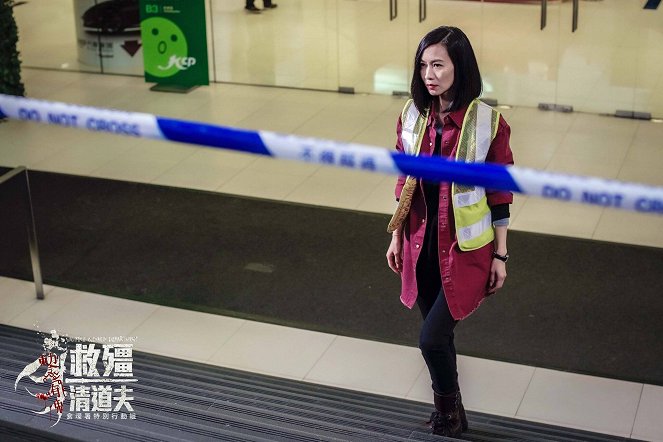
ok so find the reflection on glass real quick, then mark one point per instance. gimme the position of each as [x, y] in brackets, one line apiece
[108, 35]
[390, 78]
[81, 35]
[293, 45]
[47, 35]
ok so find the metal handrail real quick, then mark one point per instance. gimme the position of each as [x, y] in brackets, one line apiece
[22, 172]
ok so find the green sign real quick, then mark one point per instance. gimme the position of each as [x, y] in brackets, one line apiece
[174, 42]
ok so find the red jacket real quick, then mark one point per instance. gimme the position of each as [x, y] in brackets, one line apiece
[464, 274]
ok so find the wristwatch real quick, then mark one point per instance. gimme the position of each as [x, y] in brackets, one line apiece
[503, 258]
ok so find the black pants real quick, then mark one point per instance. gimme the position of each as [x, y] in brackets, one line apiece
[436, 340]
[250, 3]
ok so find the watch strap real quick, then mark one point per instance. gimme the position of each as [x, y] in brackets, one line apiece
[503, 258]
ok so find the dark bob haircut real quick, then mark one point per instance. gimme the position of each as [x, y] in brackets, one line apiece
[467, 79]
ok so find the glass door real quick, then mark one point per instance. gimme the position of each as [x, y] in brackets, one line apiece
[378, 39]
[598, 56]
[426, 15]
[649, 60]
[48, 36]
[612, 62]
[293, 45]
[373, 46]
[518, 53]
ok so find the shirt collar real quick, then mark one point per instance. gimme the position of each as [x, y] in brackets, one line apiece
[456, 117]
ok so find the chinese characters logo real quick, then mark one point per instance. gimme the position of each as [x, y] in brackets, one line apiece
[93, 392]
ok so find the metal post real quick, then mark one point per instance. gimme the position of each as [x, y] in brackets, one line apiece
[30, 226]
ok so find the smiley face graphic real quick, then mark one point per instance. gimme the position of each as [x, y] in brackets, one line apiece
[163, 44]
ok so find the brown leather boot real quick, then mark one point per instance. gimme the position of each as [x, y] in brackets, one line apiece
[446, 420]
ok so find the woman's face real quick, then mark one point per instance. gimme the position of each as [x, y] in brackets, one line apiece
[437, 70]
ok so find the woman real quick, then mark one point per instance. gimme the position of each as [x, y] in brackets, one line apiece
[448, 241]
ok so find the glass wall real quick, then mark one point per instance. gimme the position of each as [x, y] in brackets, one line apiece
[373, 46]
[80, 35]
[47, 35]
[293, 45]
[519, 55]
[612, 61]
[600, 63]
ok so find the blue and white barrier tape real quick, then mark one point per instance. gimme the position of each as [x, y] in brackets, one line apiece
[586, 190]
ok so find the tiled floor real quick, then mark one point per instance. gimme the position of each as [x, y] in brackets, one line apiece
[575, 143]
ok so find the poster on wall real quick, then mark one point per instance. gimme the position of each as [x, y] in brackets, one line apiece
[108, 35]
[174, 44]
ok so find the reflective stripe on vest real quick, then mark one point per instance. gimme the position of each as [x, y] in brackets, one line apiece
[471, 211]
[412, 128]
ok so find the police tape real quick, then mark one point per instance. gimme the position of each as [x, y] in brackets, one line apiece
[580, 189]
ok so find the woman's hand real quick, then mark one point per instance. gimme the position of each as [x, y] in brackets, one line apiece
[395, 253]
[497, 276]
[498, 267]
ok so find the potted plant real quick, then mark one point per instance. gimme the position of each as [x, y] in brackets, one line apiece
[10, 65]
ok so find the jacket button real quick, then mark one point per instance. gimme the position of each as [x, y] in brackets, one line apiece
[423, 220]
[416, 245]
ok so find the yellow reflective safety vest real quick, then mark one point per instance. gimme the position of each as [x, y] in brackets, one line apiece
[471, 211]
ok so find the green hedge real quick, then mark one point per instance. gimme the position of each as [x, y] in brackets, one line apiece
[10, 65]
